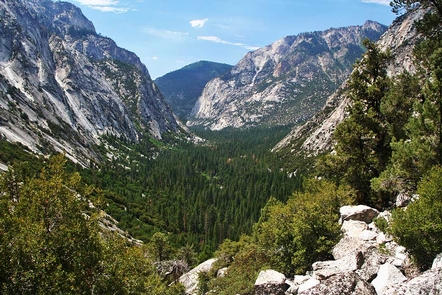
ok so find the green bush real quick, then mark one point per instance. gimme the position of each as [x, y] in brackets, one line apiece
[381, 223]
[242, 272]
[419, 227]
[49, 246]
[305, 229]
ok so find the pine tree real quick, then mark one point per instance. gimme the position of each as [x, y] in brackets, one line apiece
[421, 149]
[362, 140]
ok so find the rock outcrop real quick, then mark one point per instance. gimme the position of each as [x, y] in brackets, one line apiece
[285, 82]
[63, 86]
[190, 279]
[361, 266]
[375, 266]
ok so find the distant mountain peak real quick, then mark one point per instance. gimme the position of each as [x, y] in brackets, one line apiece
[285, 82]
[181, 88]
[315, 136]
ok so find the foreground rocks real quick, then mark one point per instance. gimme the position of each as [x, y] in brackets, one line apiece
[366, 262]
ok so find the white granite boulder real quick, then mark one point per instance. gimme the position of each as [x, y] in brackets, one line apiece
[325, 269]
[270, 282]
[190, 279]
[359, 212]
[437, 262]
[387, 276]
[341, 284]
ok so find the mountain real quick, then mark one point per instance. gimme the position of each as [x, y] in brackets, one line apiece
[314, 136]
[181, 88]
[63, 86]
[283, 83]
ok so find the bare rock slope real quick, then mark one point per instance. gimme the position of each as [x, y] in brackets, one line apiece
[62, 85]
[285, 82]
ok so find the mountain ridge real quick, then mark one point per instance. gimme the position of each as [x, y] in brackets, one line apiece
[63, 86]
[280, 83]
[315, 136]
[181, 88]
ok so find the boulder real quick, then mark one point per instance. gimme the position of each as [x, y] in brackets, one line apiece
[221, 272]
[341, 284]
[190, 279]
[270, 282]
[383, 238]
[402, 200]
[372, 260]
[325, 269]
[353, 228]
[299, 280]
[428, 283]
[437, 262]
[387, 276]
[400, 256]
[310, 283]
[348, 245]
[368, 235]
[359, 212]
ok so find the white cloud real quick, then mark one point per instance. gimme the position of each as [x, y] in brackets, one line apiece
[165, 34]
[198, 23]
[155, 58]
[252, 47]
[381, 2]
[104, 5]
[219, 40]
[110, 9]
[98, 2]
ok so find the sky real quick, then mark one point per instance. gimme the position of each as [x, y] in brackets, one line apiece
[169, 34]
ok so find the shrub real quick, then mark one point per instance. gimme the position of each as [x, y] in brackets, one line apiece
[419, 227]
[305, 229]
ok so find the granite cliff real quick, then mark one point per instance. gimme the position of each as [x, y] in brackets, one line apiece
[63, 86]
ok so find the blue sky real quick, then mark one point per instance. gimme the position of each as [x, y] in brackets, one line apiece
[169, 34]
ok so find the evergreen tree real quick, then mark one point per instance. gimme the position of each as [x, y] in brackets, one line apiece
[419, 228]
[304, 230]
[50, 246]
[51, 242]
[401, 5]
[362, 140]
[421, 149]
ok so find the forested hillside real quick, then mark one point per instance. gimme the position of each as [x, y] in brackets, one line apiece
[200, 194]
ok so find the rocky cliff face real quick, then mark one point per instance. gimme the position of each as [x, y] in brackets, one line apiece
[314, 136]
[62, 85]
[285, 82]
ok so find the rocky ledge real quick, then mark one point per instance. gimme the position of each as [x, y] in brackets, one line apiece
[367, 262]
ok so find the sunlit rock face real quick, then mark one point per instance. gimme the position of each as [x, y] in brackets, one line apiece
[314, 136]
[62, 85]
[283, 83]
